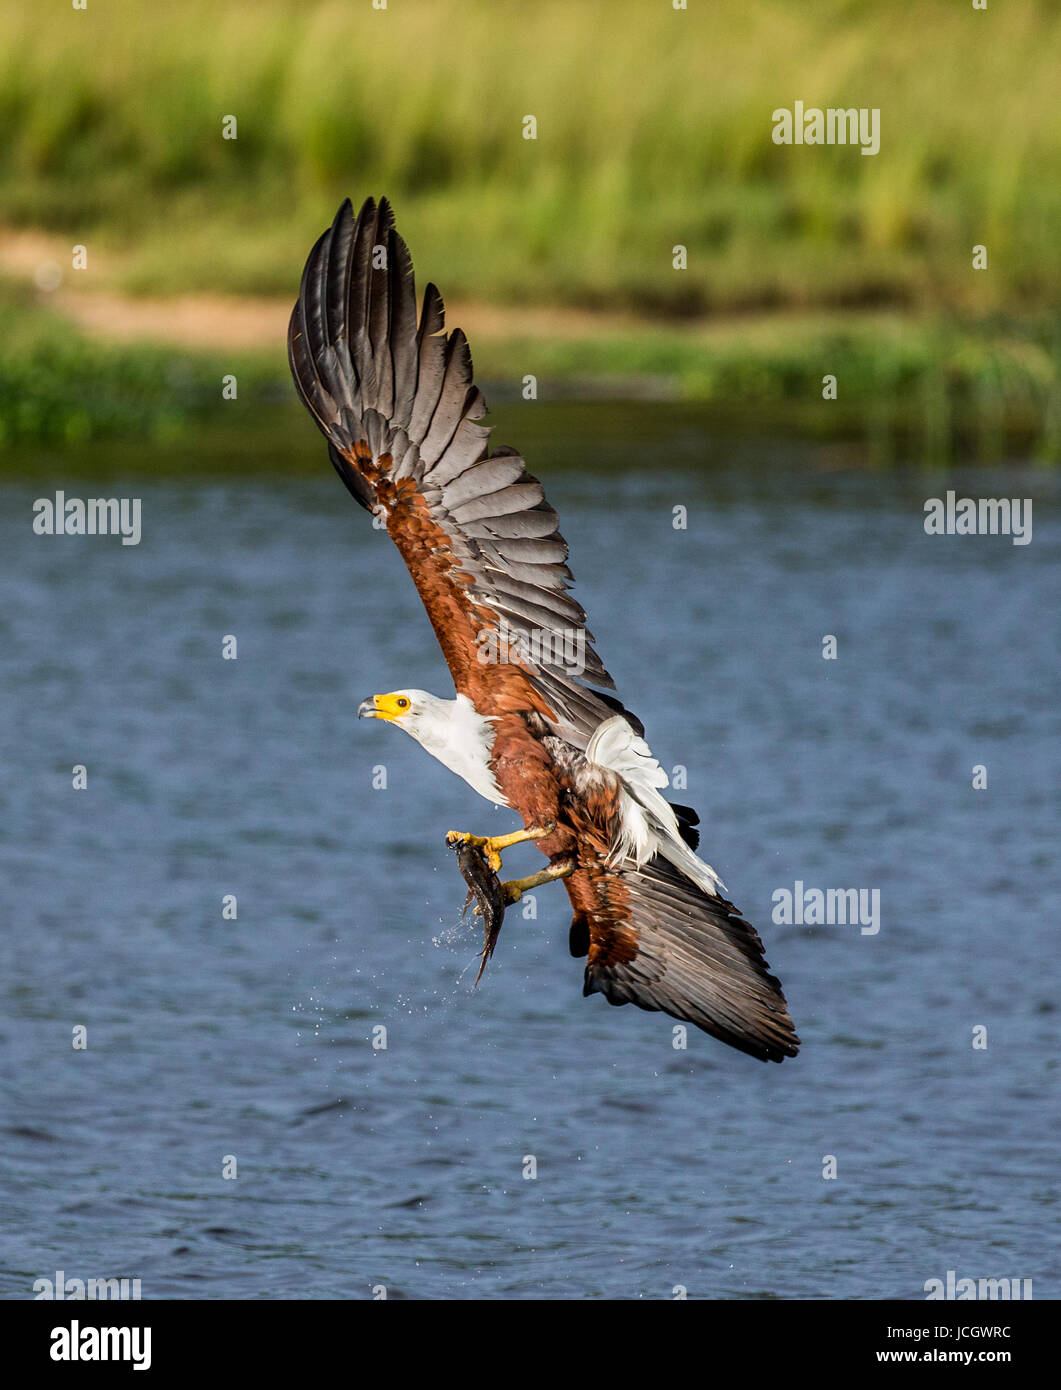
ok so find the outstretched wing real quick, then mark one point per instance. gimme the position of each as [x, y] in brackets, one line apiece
[396, 401]
[654, 938]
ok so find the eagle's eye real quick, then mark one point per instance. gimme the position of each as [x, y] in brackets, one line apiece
[402, 702]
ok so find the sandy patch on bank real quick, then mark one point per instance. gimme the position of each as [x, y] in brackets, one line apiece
[240, 321]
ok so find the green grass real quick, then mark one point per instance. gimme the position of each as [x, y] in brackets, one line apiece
[654, 130]
[929, 389]
[59, 388]
[938, 386]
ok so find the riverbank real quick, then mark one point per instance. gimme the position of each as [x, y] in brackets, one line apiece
[602, 199]
[78, 366]
[198, 148]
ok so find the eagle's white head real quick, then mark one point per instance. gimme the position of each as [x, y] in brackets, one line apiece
[450, 730]
[416, 711]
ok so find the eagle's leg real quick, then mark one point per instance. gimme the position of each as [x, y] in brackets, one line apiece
[516, 887]
[491, 845]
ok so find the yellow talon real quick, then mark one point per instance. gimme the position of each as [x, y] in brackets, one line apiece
[481, 842]
[490, 845]
[514, 888]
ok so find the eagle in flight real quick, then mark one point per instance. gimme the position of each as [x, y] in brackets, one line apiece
[528, 728]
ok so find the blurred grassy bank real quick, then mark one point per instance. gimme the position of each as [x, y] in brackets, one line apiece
[925, 389]
[653, 130]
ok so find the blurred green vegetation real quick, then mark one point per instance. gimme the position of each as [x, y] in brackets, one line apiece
[58, 387]
[654, 130]
[986, 389]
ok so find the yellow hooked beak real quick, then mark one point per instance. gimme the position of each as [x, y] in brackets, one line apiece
[383, 707]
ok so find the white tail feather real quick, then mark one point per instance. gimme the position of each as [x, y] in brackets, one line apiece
[649, 825]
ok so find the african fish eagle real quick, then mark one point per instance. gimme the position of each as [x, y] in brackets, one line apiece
[395, 399]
